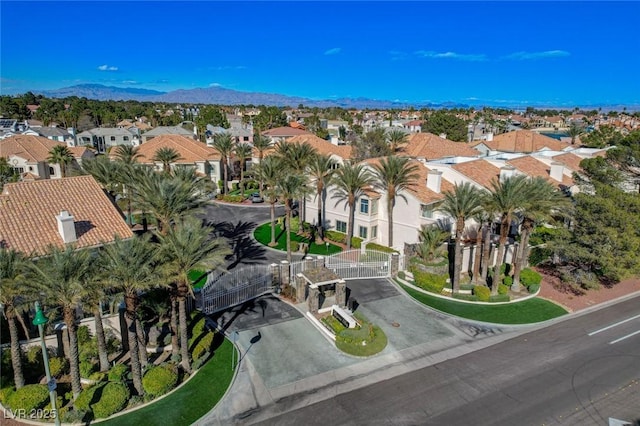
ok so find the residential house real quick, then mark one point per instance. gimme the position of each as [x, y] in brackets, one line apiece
[282, 133]
[519, 141]
[413, 126]
[339, 153]
[104, 138]
[73, 210]
[431, 147]
[29, 154]
[166, 130]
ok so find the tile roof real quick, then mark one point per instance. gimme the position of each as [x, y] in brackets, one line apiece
[31, 148]
[285, 132]
[570, 160]
[28, 213]
[479, 171]
[432, 147]
[524, 141]
[536, 168]
[168, 130]
[189, 149]
[323, 146]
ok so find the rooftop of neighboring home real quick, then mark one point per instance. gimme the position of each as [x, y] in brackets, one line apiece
[29, 210]
[480, 171]
[533, 167]
[106, 131]
[524, 141]
[322, 146]
[285, 132]
[31, 148]
[52, 132]
[190, 151]
[168, 130]
[432, 147]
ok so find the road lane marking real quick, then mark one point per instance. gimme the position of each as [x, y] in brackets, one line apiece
[625, 337]
[613, 325]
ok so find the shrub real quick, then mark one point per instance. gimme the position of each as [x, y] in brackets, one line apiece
[482, 293]
[533, 288]
[232, 198]
[503, 288]
[539, 255]
[98, 376]
[58, 366]
[199, 326]
[34, 355]
[499, 298]
[401, 275]
[160, 380]
[5, 393]
[203, 346]
[83, 400]
[507, 281]
[200, 361]
[461, 296]
[84, 335]
[430, 282]
[356, 242]
[335, 236]
[528, 276]
[113, 399]
[467, 286]
[87, 368]
[29, 397]
[118, 373]
[295, 246]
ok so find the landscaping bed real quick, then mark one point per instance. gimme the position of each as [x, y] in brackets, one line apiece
[263, 235]
[366, 339]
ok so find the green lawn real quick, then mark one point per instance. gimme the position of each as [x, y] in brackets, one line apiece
[263, 235]
[192, 401]
[525, 312]
[198, 278]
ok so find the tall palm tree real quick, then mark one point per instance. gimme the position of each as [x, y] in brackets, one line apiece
[506, 198]
[166, 156]
[430, 240]
[542, 200]
[290, 187]
[61, 275]
[224, 144]
[350, 182]
[393, 176]
[462, 203]
[269, 171]
[242, 151]
[395, 138]
[96, 292]
[262, 144]
[130, 266]
[61, 155]
[106, 172]
[483, 219]
[128, 154]
[12, 268]
[188, 246]
[320, 169]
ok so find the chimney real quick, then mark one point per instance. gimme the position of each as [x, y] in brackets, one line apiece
[66, 227]
[557, 171]
[434, 180]
[489, 136]
[506, 172]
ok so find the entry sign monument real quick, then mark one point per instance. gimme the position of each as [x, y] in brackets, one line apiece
[343, 316]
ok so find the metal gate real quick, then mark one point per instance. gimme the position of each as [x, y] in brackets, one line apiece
[349, 265]
[224, 290]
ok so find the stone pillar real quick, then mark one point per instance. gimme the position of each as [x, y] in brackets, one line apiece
[395, 263]
[341, 293]
[308, 263]
[284, 272]
[314, 299]
[274, 268]
[320, 262]
[301, 288]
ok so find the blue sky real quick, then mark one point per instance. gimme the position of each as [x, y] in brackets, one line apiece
[563, 54]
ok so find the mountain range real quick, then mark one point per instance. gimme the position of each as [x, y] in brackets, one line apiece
[223, 96]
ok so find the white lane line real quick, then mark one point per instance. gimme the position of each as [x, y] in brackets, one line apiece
[624, 337]
[613, 325]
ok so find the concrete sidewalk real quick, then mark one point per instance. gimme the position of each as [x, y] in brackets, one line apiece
[286, 363]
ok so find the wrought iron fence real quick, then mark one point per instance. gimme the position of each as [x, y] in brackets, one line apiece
[224, 290]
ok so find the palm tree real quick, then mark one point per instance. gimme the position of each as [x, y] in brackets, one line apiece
[12, 266]
[130, 267]
[106, 172]
[262, 144]
[320, 169]
[506, 198]
[460, 204]
[574, 131]
[350, 182]
[290, 187]
[542, 200]
[396, 137]
[61, 155]
[224, 144]
[242, 151]
[188, 246]
[61, 275]
[483, 219]
[96, 291]
[270, 172]
[166, 156]
[394, 175]
[128, 154]
[430, 241]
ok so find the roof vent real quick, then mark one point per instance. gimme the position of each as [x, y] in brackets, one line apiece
[66, 227]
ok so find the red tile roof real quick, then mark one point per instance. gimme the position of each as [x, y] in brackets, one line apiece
[524, 141]
[31, 148]
[28, 213]
[432, 147]
[480, 171]
[285, 132]
[190, 150]
[536, 168]
[322, 146]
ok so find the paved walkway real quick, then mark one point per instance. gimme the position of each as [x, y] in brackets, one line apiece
[287, 363]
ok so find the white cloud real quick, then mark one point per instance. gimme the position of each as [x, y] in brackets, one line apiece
[537, 55]
[451, 55]
[215, 85]
[107, 68]
[397, 55]
[333, 51]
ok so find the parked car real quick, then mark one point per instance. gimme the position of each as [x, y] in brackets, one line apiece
[256, 198]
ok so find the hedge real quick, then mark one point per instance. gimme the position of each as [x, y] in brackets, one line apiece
[504, 288]
[118, 373]
[28, 398]
[87, 368]
[482, 293]
[499, 298]
[113, 398]
[340, 237]
[430, 282]
[202, 347]
[160, 379]
[58, 366]
[533, 288]
[378, 247]
[528, 276]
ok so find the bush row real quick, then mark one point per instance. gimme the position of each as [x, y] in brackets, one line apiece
[340, 237]
[378, 247]
[111, 398]
[430, 282]
[160, 379]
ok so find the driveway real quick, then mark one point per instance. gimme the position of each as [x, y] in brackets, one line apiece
[236, 223]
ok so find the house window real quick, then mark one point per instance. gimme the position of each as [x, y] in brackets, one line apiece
[125, 138]
[341, 226]
[245, 138]
[52, 171]
[374, 232]
[113, 138]
[18, 170]
[362, 232]
[426, 211]
[364, 206]
[374, 207]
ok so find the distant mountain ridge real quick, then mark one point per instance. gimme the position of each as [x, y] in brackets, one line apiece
[223, 96]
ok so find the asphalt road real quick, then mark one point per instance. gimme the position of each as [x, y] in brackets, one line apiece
[579, 371]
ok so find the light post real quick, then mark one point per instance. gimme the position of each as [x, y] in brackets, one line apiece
[40, 320]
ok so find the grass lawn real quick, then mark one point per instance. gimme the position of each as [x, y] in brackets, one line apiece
[198, 278]
[263, 235]
[525, 312]
[192, 401]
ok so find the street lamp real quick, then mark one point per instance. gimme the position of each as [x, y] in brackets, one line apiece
[40, 320]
